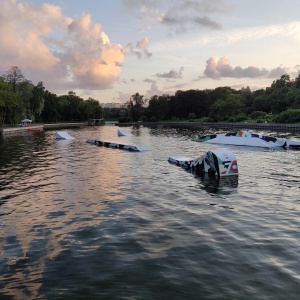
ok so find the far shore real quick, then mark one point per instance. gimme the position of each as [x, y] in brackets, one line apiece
[273, 127]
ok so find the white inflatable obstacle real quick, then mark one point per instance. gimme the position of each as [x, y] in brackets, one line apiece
[135, 148]
[246, 138]
[123, 132]
[63, 135]
[218, 163]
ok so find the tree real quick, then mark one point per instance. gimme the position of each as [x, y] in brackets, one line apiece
[8, 100]
[25, 92]
[37, 101]
[50, 111]
[232, 106]
[297, 81]
[158, 107]
[247, 98]
[135, 105]
[96, 109]
[277, 94]
[14, 76]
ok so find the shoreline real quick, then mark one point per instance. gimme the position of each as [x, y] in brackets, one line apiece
[291, 128]
[41, 127]
[287, 128]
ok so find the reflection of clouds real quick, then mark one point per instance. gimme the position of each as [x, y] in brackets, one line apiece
[66, 188]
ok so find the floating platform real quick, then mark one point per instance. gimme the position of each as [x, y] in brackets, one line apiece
[116, 145]
[123, 132]
[216, 163]
[63, 135]
[245, 138]
[242, 138]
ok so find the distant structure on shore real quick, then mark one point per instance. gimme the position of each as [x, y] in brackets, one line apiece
[113, 105]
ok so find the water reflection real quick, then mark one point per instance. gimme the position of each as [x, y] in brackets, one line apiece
[87, 222]
[218, 186]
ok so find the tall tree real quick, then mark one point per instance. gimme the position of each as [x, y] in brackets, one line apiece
[14, 76]
[50, 111]
[25, 92]
[221, 110]
[158, 107]
[8, 100]
[37, 101]
[135, 105]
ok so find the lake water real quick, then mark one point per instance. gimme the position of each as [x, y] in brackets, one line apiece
[79, 221]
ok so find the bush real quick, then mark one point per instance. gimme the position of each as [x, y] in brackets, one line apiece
[153, 119]
[192, 116]
[205, 119]
[124, 120]
[258, 115]
[288, 116]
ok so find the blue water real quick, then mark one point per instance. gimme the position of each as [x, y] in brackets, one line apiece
[79, 221]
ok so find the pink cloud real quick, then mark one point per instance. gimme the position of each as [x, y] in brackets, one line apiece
[217, 68]
[50, 47]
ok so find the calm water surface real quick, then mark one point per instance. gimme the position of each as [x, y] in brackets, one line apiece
[79, 221]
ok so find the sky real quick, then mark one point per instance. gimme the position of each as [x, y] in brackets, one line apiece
[110, 50]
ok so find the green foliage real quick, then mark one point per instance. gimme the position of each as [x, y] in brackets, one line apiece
[289, 116]
[192, 116]
[14, 76]
[238, 118]
[258, 114]
[205, 119]
[280, 102]
[8, 100]
[37, 101]
[223, 109]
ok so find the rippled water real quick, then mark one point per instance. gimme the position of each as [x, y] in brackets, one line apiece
[79, 221]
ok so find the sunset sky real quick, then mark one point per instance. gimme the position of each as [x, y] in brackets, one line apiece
[110, 50]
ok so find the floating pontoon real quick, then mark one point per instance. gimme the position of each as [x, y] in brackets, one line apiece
[217, 163]
[63, 135]
[136, 148]
[123, 132]
[245, 138]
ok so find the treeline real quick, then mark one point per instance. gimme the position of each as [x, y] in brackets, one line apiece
[20, 98]
[279, 103]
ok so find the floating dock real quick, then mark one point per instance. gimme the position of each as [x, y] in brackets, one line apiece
[116, 145]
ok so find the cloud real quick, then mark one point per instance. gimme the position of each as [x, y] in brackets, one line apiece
[90, 46]
[217, 68]
[140, 49]
[171, 74]
[149, 80]
[123, 97]
[62, 52]
[153, 91]
[184, 23]
[178, 16]
[22, 28]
